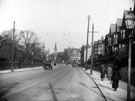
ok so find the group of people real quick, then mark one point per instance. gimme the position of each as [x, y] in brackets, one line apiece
[113, 74]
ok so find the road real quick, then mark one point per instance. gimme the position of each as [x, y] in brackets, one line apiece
[63, 83]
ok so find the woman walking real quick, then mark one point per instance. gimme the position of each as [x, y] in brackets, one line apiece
[115, 77]
[109, 71]
[102, 71]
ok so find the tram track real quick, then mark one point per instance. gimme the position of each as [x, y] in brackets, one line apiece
[103, 95]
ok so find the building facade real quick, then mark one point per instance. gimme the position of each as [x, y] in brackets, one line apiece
[75, 55]
[99, 48]
[117, 40]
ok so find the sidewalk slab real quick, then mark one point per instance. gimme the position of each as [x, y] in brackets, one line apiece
[22, 69]
[106, 88]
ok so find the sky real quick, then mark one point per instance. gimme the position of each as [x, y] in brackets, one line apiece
[62, 21]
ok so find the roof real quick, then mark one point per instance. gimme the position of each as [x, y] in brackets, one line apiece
[134, 8]
[112, 28]
[124, 14]
[119, 24]
[99, 41]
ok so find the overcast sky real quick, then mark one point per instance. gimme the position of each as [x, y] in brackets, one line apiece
[62, 21]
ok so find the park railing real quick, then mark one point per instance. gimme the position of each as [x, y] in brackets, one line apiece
[19, 65]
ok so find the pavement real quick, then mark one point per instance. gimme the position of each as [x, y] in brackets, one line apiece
[19, 70]
[105, 86]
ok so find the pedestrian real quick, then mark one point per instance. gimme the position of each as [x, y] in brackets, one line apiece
[115, 77]
[109, 71]
[103, 72]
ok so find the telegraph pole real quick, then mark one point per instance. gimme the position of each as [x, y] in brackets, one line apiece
[55, 52]
[92, 51]
[12, 67]
[87, 39]
[43, 50]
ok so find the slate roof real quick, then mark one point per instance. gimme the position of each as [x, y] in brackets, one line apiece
[124, 15]
[119, 24]
[112, 28]
[134, 8]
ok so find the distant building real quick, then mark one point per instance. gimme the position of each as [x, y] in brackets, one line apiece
[103, 45]
[95, 49]
[74, 54]
[99, 47]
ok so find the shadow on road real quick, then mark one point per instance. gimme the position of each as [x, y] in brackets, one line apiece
[5, 91]
[53, 93]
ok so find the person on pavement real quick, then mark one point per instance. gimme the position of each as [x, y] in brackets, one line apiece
[103, 72]
[115, 77]
[109, 71]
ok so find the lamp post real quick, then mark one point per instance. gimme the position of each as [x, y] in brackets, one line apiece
[130, 24]
[12, 67]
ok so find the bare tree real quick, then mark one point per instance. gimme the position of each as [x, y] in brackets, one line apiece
[28, 39]
[6, 42]
[26, 45]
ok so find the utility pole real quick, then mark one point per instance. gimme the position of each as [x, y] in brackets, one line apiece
[32, 52]
[87, 39]
[55, 51]
[12, 67]
[43, 50]
[92, 50]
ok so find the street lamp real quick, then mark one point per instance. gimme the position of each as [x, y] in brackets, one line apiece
[13, 45]
[130, 24]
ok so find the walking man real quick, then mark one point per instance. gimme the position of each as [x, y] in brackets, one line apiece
[109, 71]
[115, 77]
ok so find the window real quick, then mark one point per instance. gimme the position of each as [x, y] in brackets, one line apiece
[100, 49]
[116, 49]
[123, 34]
[113, 49]
[109, 41]
[123, 48]
[116, 39]
[120, 47]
